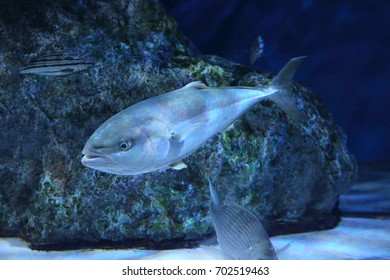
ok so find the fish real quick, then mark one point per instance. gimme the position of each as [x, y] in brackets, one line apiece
[157, 133]
[240, 234]
[56, 64]
[257, 49]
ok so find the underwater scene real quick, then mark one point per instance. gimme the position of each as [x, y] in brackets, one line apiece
[234, 130]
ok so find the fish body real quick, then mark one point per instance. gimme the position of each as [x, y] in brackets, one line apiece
[157, 133]
[257, 49]
[240, 234]
[57, 64]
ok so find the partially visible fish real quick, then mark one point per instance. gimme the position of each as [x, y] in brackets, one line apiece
[157, 133]
[56, 64]
[240, 234]
[257, 49]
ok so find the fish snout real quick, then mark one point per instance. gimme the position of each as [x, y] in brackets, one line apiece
[92, 156]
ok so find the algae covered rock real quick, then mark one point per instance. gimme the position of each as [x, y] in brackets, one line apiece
[288, 173]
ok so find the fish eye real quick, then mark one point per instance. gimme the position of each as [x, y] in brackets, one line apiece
[124, 145]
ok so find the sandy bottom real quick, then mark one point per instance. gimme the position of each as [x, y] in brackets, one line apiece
[354, 238]
[364, 233]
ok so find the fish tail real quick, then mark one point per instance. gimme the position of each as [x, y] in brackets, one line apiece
[282, 84]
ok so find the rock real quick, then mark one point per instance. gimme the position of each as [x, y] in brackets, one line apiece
[290, 174]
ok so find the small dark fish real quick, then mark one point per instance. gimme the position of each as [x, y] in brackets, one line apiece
[57, 64]
[240, 234]
[257, 49]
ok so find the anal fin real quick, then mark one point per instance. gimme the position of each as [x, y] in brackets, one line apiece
[230, 126]
[178, 165]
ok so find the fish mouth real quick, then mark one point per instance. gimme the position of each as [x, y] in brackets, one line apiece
[90, 159]
[94, 158]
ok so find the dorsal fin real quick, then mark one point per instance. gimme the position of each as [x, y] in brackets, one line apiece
[195, 85]
[214, 196]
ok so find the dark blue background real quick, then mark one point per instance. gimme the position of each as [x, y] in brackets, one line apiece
[347, 44]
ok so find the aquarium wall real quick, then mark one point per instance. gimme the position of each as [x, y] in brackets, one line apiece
[117, 120]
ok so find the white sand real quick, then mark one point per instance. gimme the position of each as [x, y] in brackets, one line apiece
[354, 238]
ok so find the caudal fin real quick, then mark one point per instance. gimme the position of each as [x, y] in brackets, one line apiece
[282, 83]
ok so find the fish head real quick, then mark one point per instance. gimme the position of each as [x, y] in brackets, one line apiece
[126, 146]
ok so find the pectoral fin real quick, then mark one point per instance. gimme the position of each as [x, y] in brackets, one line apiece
[158, 137]
[180, 133]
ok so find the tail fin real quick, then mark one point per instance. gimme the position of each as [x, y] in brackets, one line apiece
[282, 83]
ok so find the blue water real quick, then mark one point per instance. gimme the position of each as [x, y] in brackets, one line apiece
[347, 44]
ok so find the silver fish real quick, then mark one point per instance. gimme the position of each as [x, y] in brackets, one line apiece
[257, 49]
[240, 234]
[157, 133]
[57, 64]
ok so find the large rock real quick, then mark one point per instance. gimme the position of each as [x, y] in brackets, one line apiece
[290, 174]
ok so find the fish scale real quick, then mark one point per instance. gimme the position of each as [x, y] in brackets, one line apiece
[237, 229]
[240, 233]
